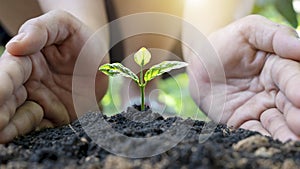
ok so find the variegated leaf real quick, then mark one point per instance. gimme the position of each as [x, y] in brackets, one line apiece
[161, 68]
[117, 69]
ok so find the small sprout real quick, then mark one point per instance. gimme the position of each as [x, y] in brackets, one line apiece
[142, 57]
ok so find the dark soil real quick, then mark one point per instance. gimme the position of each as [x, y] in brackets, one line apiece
[71, 147]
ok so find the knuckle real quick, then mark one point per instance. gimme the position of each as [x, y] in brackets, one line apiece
[7, 88]
[4, 119]
[36, 24]
[255, 17]
[61, 16]
[21, 95]
[59, 13]
[34, 109]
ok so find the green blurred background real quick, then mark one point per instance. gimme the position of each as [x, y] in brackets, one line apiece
[173, 92]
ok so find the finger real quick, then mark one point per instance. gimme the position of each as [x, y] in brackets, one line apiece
[255, 125]
[275, 123]
[271, 37]
[55, 110]
[290, 113]
[50, 28]
[251, 109]
[7, 110]
[45, 123]
[285, 74]
[26, 119]
[14, 72]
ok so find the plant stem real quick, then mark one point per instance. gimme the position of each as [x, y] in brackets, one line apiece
[143, 97]
[142, 87]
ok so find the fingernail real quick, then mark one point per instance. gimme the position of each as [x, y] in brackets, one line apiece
[17, 38]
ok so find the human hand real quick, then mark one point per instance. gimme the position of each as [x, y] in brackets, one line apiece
[36, 74]
[260, 60]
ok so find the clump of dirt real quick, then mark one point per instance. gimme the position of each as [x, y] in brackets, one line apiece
[71, 147]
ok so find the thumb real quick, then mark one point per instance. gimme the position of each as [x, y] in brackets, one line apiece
[27, 42]
[286, 43]
[268, 36]
[51, 28]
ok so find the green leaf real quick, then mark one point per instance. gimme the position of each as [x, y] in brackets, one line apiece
[142, 57]
[286, 9]
[1, 50]
[161, 68]
[117, 69]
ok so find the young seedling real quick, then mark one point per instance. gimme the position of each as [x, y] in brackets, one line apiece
[142, 57]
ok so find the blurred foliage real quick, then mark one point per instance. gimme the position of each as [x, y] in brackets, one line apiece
[1, 50]
[111, 102]
[173, 92]
[281, 11]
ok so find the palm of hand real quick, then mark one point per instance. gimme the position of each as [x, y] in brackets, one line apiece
[257, 99]
[37, 85]
[50, 83]
[261, 90]
[51, 88]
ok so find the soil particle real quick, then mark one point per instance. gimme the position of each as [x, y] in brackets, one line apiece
[251, 143]
[115, 162]
[71, 146]
[289, 163]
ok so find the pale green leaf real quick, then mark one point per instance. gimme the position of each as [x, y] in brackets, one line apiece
[117, 69]
[142, 57]
[161, 68]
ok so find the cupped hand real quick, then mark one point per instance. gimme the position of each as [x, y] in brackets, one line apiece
[262, 70]
[36, 73]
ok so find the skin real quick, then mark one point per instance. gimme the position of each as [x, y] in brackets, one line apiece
[93, 13]
[260, 64]
[262, 77]
[36, 74]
